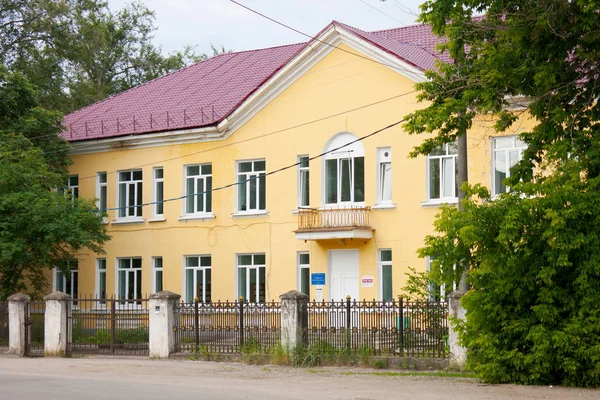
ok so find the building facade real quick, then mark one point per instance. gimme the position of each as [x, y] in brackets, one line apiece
[258, 172]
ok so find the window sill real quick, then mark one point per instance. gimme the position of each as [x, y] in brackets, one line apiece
[390, 206]
[122, 221]
[437, 203]
[157, 219]
[249, 214]
[197, 217]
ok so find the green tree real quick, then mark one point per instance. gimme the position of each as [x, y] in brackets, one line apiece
[77, 52]
[41, 225]
[532, 314]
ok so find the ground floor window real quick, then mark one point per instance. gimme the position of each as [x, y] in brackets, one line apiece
[198, 279]
[129, 278]
[385, 267]
[68, 281]
[101, 278]
[304, 273]
[251, 277]
[157, 277]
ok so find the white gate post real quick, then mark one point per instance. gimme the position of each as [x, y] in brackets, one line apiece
[294, 319]
[458, 354]
[58, 308]
[16, 323]
[161, 321]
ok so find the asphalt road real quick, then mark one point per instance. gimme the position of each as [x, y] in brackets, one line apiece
[139, 378]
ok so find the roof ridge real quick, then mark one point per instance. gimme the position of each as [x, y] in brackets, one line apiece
[400, 27]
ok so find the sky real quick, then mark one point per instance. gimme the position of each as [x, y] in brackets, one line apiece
[201, 23]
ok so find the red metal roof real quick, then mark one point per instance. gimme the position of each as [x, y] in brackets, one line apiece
[205, 93]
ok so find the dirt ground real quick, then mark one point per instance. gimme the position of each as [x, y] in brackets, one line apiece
[133, 378]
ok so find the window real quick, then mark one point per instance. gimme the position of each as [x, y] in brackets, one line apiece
[101, 191]
[129, 278]
[68, 282]
[304, 273]
[158, 193]
[436, 291]
[303, 182]
[385, 271]
[508, 151]
[442, 171]
[101, 278]
[130, 194]
[251, 277]
[252, 185]
[384, 175]
[198, 189]
[157, 274]
[198, 278]
[344, 170]
[73, 187]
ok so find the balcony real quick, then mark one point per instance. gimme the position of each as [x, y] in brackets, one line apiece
[334, 223]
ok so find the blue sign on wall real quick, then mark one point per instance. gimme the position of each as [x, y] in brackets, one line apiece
[317, 278]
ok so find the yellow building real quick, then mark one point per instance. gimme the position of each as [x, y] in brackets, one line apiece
[257, 172]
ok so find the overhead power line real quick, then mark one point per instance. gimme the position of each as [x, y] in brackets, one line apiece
[382, 12]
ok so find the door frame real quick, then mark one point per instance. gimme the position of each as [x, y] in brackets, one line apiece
[330, 265]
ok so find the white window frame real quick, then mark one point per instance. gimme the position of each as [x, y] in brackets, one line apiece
[517, 145]
[99, 273]
[158, 209]
[204, 268]
[303, 180]
[155, 269]
[300, 267]
[99, 195]
[137, 277]
[73, 188]
[253, 266]
[381, 264]
[384, 159]
[123, 212]
[441, 157]
[206, 178]
[350, 152]
[58, 274]
[244, 181]
[442, 298]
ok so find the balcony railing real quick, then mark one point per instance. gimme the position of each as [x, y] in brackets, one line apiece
[331, 218]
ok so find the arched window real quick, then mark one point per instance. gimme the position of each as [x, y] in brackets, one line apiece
[344, 170]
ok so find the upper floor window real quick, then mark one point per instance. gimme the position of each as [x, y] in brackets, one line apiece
[384, 175]
[158, 192]
[252, 185]
[442, 171]
[303, 182]
[198, 189]
[101, 191]
[508, 151]
[344, 170]
[73, 187]
[130, 194]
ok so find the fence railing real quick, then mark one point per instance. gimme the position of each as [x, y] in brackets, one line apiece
[226, 327]
[313, 218]
[108, 326]
[396, 328]
[4, 323]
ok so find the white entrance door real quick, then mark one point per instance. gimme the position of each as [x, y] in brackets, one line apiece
[343, 273]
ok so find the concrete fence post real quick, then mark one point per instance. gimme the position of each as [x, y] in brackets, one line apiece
[161, 321]
[58, 308]
[458, 354]
[294, 319]
[16, 323]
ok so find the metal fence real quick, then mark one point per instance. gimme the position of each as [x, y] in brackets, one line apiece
[3, 323]
[108, 326]
[396, 328]
[34, 328]
[227, 327]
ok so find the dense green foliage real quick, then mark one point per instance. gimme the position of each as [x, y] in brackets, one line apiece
[77, 52]
[533, 313]
[41, 225]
